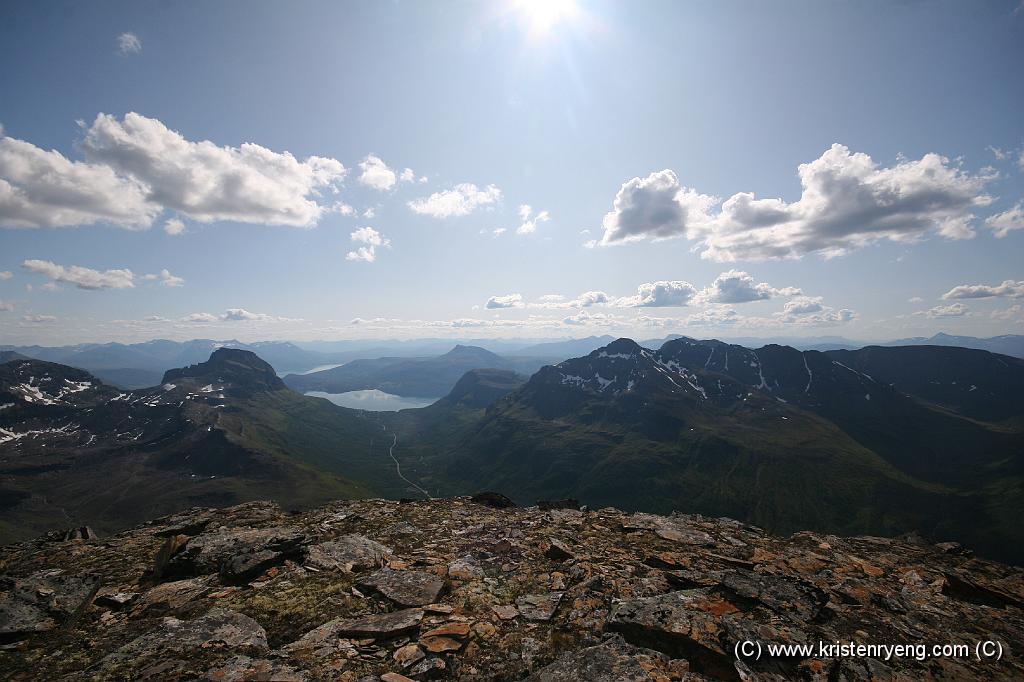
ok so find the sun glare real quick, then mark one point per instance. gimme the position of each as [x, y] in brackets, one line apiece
[542, 17]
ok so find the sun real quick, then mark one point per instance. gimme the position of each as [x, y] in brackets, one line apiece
[542, 17]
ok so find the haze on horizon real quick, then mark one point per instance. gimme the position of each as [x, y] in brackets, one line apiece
[516, 169]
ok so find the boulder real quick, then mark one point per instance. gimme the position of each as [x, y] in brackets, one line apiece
[43, 601]
[405, 587]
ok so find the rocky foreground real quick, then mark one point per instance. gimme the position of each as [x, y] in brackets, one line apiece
[474, 590]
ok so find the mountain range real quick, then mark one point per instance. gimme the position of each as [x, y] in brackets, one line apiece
[880, 440]
[415, 377]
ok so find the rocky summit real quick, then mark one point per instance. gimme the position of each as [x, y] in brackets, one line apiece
[472, 590]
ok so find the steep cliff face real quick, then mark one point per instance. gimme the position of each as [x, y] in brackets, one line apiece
[460, 589]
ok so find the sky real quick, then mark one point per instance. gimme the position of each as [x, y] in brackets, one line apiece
[514, 168]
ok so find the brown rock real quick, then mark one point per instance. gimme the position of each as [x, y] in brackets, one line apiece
[408, 655]
[457, 630]
[559, 551]
[505, 612]
[437, 645]
[395, 677]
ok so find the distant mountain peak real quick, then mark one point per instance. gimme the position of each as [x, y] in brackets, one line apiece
[239, 370]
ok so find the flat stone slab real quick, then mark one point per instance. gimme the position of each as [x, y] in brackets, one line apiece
[246, 669]
[405, 588]
[539, 607]
[214, 551]
[349, 552]
[373, 626]
[612, 661]
[174, 639]
[43, 601]
[686, 624]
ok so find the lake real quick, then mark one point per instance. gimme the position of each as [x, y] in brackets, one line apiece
[373, 400]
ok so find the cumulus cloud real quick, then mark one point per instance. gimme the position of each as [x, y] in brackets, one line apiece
[372, 239]
[38, 319]
[5, 275]
[847, 201]
[659, 294]
[165, 278]
[715, 316]
[234, 315]
[1008, 289]
[40, 188]
[508, 301]
[584, 318]
[206, 182]
[951, 310]
[461, 200]
[1007, 221]
[376, 174]
[655, 207]
[83, 278]
[736, 286]
[174, 226]
[1014, 313]
[128, 43]
[812, 312]
[529, 221]
[137, 167]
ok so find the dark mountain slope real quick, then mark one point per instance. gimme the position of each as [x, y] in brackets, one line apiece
[75, 451]
[776, 436]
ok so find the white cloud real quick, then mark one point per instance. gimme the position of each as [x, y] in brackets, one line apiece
[529, 221]
[372, 239]
[461, 200]
[200, 317]
[736, 286]
[715, 316]
[128, 43]
[811, 311]
[174, 226]
[41, 188]
[915, 299]
[376, 174]
[234, 315]
[1008, 289]
[1007, 221]
[847, 202]
[1014, 313]
[165, 278]
[655, 207]
[83, 278]
[509, 301]
[5, 275]
[6, 306]
[951, 310]
[675, 293]
[206, 182]
[592, 319]
[551, 298]
[38, 319]
[51, 286]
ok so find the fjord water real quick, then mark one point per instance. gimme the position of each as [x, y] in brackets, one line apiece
[373, 400]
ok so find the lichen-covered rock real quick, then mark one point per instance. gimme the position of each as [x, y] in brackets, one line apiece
[350, 552]
[405, 588]
[43, 601]
[259, 603]
[236, 551]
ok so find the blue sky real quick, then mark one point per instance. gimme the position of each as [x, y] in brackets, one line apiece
[658, 145]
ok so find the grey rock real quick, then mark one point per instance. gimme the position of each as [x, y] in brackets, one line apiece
[353, 552]
[43, 601]
[612, 661]
[405, 588]
[540, 607]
